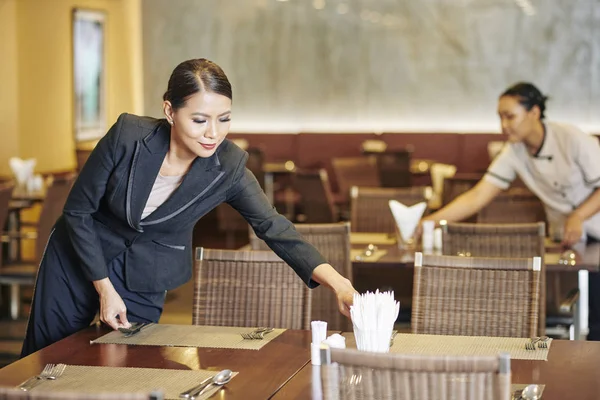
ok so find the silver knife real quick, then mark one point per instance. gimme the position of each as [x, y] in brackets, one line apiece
[187, 393]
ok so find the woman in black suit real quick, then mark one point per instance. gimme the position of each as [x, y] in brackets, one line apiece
[125, 235]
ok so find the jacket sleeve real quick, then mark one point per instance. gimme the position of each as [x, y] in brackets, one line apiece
[84, 200]
[247, 197]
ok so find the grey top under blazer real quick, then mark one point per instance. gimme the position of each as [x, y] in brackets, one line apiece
[102, 215]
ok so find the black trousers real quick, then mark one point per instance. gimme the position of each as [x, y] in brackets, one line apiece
[64, 302]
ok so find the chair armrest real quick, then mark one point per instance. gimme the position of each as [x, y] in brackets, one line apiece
[566, 306]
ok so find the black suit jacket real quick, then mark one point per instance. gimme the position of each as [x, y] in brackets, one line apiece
[102, 215]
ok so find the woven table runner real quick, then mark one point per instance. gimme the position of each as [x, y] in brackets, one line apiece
[366, 238]
[439, 345]
[467, 346]
[84, 379]
[219, 337]
[359, 255]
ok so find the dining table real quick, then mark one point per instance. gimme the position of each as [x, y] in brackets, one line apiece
[261, 373]
[569, 373]
[388, 266]
[282, 368]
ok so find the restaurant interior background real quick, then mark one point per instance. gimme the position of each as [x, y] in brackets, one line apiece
[425, 73]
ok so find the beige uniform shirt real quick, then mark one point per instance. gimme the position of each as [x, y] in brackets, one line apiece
[563, 173]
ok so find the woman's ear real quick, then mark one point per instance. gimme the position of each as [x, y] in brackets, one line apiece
[535, 112]
[169, 112]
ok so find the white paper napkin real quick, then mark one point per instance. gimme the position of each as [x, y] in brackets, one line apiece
[407, 218]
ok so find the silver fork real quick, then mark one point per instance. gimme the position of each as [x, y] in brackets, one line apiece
[531, 344]
[255, 334]
[394, 333]
[45, 372]
[261, 335]
[543, 343]
[55, 372]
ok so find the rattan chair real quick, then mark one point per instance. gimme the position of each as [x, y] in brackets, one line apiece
[248, 289]
[333, 242]
[355, 171]
[359, 375]
[476, 296]
[370, 210]
[17, 394]
[514, 206]
[316, 197]
[500, 240]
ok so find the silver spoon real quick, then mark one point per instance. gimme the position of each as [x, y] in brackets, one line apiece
[531, 392]
[219, 379]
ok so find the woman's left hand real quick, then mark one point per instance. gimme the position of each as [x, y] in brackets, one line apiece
[573, 230]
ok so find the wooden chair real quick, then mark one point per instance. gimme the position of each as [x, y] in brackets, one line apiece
[370, 210]
[356, 171]
[333, 242]
[393, 168]
[18, 394]
[24, 273]
[316, 198]
[248, 289]
[359, 375]
[473, 296]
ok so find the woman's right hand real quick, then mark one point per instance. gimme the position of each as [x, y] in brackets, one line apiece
[111, 305]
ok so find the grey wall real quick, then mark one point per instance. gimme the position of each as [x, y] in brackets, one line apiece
[402, 65]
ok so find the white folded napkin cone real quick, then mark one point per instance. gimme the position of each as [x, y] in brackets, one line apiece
[407, 218]
[22, 169]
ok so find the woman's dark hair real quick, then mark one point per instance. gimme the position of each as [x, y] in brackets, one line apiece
[193, 76]
[528, 95]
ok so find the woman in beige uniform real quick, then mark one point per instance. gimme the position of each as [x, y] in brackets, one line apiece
[558, 162]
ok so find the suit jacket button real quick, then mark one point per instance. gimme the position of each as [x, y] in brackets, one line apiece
[128, 243]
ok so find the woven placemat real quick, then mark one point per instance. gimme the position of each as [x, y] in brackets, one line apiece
[359, 255]
[220, 337]
[407, 343]
[85, 379]
[360, 238]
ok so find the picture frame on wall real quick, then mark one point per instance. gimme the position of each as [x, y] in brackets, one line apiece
[89, 74]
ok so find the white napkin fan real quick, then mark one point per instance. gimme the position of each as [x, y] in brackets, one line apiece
[407, 218]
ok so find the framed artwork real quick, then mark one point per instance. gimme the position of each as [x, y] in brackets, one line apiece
[89, 74]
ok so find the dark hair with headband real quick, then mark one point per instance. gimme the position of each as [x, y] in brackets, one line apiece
[528, 95]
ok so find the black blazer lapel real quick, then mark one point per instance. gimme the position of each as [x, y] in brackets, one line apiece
[202, 176]
[148, 157]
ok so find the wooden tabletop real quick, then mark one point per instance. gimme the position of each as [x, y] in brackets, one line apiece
[261, 372]
[570, 373]
[587, 255]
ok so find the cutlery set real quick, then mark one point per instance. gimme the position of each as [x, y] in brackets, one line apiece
[135, 328]
[257, 334]
[542, 343]
[50, 372]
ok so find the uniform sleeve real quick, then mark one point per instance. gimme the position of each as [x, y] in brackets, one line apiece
[501, 173]
[588, 159]
[83, 201]
[247, 197]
